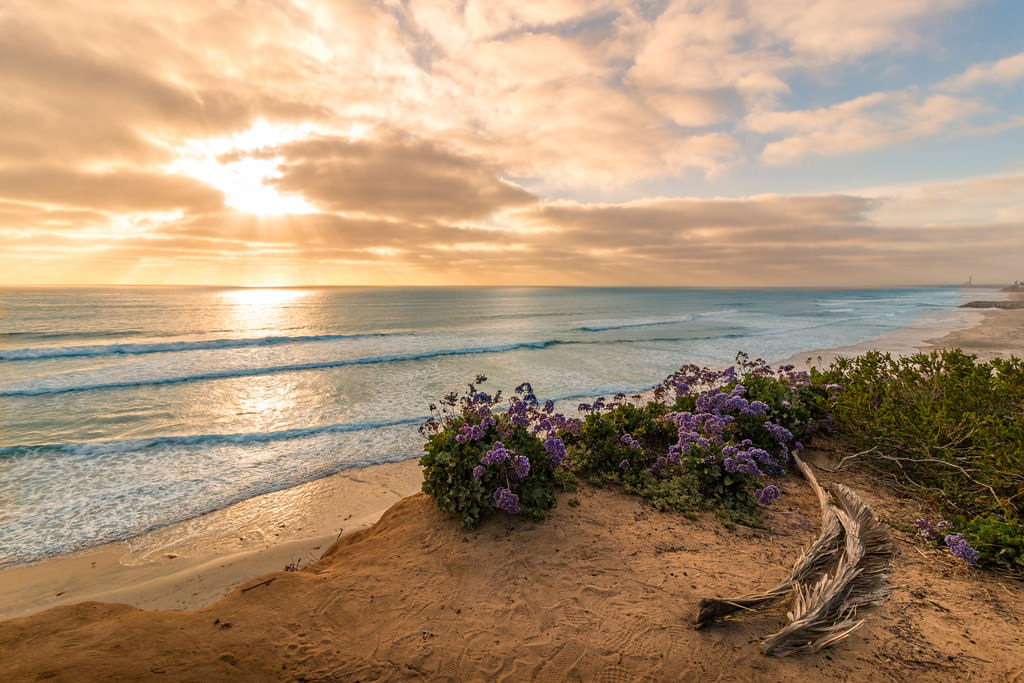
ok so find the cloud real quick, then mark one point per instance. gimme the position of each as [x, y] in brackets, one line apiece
[17, 216]
[318, 233]
[395, 177]
[752, 47]
[868, 122]
[826, 240]
[666, 220]
[90, 87]
[456, 25]
[115, 191]
[832, 30]
[997, 199]
[705, 49]
[1002, 72]
[443, 142]
[565, 94]
[552, 107]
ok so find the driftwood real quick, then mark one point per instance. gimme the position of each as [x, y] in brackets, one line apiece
[823, 613]
[843, 569]
[819, 556]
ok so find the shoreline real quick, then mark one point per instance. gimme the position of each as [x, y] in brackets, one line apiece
[191, 564]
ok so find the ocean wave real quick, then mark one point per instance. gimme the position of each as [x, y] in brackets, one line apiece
[176, 346]
[602, 326]
[69, 335]
[250, 372]
[116, 446]
[401, 357]
[737, 335]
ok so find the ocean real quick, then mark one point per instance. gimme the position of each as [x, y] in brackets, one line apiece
[126, 409]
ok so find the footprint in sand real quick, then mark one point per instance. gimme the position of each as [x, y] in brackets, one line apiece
[558, 667]
[449, 668]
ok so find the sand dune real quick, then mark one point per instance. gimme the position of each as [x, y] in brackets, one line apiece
[606, 590]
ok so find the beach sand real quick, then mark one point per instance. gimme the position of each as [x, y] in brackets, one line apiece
[604, 590]
[193, 563]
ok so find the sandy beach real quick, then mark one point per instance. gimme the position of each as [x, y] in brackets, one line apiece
[606, 590]
[193, 563]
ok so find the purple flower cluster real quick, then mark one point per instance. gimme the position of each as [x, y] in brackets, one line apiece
[794, 379]
[932, 532]
[496, 455]
[660, 465]
[768, 494]
[781, 435]
[697, 430]
[521, 466]
[597, 406]
[556, 451]
[746, 461]
[960, 548]
[519, 412]
[526, 391]
[956, 543]
[722, 414]
[692, 377]
[472, 432]
[475, 418]
[630, 442]
[718, 402]
[506, 500]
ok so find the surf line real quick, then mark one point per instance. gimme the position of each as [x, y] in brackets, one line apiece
[250, 372]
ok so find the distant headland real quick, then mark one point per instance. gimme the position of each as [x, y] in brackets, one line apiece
[1004, 304]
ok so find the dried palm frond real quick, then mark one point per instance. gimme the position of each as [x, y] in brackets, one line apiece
[821, 554]
[823, 613]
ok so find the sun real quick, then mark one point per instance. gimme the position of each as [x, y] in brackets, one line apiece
[235, 165]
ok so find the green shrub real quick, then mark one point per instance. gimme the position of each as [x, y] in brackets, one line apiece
[1000, 543]
[598, 447]
[944, 427]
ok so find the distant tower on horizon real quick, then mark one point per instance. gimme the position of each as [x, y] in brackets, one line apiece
[970, 279]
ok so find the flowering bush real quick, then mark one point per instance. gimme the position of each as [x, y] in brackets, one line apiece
[705, 441]
[479, 460]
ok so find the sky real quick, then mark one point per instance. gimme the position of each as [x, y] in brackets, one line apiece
[816, 143]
